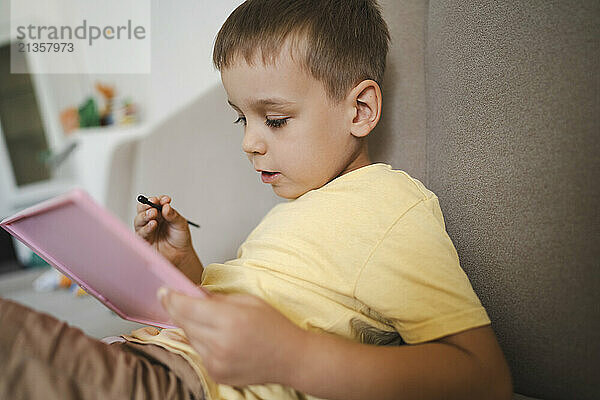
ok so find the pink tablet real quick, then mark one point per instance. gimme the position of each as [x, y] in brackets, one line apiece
[90, 245]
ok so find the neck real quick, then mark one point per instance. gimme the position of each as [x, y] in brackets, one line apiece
[358, 160]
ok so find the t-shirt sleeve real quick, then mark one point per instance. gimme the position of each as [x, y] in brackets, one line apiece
[414, 280]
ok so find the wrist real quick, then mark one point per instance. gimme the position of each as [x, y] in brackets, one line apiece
[189, 257]
[191, 266]
[182, 257]
[296, 359]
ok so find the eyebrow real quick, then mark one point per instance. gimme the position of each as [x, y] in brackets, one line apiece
[270, 102]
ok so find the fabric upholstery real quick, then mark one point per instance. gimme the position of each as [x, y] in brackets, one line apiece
[511, 147]
[512, 101]
[399, 139]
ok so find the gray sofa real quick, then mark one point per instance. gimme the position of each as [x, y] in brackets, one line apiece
[494, 105]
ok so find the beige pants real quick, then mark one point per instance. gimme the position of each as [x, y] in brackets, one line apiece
[44, 358]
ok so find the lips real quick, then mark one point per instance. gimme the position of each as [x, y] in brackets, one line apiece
[269, 176]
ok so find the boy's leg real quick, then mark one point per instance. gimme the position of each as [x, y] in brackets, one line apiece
[44, 358]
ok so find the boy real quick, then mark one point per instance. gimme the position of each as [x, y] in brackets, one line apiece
[359, 251]
[349, 290]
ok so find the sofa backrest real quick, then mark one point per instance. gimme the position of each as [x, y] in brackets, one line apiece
[510, 144]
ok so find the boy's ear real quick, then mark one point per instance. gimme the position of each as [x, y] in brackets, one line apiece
[366, 104]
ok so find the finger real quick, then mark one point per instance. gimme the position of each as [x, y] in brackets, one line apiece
[237, 298]
[139, 221]
[186, 308]
[199, 345]
[147, 230]
[199, 335]
[200, 339]
[142, 207]
[143, 217]
[195, 330]
[234, 299]
[169, 213]
[155, 200]
[164, 199]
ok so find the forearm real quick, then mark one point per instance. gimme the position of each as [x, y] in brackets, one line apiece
[192, 267]
[336, 368]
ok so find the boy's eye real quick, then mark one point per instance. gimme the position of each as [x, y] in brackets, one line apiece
[276, 123]
[240, 119]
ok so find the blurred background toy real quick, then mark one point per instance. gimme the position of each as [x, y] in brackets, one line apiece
[55, 280]
[69, 119]
[129, 112]
[88, 114]
[108, 93]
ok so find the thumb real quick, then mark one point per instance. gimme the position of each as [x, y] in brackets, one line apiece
[163, 295]
[167, 297]
[169, 213]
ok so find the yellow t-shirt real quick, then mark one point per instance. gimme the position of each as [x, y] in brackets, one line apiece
[365, 256]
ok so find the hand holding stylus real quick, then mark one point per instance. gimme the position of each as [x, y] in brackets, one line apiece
[144, 200]
[165, 229]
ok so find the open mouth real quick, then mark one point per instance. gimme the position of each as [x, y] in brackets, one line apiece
[269, 177]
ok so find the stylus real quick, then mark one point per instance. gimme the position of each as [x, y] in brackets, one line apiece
[144, 200]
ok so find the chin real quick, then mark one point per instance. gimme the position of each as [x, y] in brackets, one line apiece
[286, 194]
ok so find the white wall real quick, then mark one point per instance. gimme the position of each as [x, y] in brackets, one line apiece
[183, 34]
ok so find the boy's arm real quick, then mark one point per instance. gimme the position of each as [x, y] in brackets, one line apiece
[467, 365]
[192, 267]
[243, 341]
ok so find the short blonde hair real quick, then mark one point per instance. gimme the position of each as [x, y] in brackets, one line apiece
[340, 42]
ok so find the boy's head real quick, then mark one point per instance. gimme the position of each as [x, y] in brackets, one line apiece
[304, 77]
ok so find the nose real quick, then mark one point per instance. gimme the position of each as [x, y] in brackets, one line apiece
[253, 141]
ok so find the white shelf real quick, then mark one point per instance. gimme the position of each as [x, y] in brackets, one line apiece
[39, 191]
[112, 133]
[91, 160]
[90, 163]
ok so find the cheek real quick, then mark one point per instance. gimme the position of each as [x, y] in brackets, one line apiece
[331, 124]
[324, 127]
[313, 141]
[329, 139]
